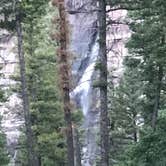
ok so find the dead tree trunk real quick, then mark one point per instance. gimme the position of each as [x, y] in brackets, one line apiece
[65, 78]
[104, 140]
[65, 83]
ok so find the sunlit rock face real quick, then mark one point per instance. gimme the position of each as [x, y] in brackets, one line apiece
[118, 34]
[11, 110]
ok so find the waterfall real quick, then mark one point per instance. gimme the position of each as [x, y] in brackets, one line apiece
[11, 110]
[84, 45]
[84, 89]
[84, 85]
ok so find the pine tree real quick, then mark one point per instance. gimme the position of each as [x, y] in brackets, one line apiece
[45, 101]
[46, 104]
[125, 109]
[150, 150]
[64, 69]
[104, 139]
[15, 14]
[147, 44]
[4, 156]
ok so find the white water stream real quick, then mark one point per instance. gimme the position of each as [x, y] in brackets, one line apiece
[85, 46]
[84, 85]
[84, 88]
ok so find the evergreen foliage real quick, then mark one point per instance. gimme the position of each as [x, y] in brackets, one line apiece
[4, 158]
[139, 96]
[45, 99]
[125, 110]
[150, 150]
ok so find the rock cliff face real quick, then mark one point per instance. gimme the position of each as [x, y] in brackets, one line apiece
[84, 45]
[117, 35]
[11, 110]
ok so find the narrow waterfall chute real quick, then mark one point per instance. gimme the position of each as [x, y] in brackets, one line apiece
[84, 85]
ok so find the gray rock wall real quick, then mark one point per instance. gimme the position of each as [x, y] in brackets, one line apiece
[11, 110]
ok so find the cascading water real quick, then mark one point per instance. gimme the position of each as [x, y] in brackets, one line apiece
[11, 110]
[84, 85]
[84, 45]
[84, 89]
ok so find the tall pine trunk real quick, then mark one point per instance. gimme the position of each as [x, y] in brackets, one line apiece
[104, 140]
[77, 147]
[65, 80]
[29, 134]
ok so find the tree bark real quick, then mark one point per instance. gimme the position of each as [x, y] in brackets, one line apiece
[77, 147]
[104, 140]
[65, 79]
[30, 146]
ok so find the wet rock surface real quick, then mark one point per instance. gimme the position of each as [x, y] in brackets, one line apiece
[84, 45]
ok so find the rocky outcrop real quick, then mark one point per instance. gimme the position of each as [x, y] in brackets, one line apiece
[84, 46]
[11, 110]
